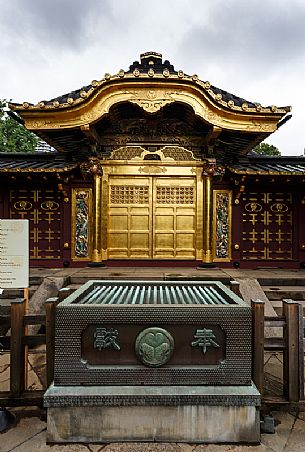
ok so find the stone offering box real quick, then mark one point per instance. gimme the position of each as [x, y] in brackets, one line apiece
[97, 329]
[153, 361]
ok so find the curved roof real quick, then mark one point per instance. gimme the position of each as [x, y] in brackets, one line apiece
[150, 65]
[232, 125]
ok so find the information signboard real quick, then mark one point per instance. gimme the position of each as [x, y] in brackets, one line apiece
[14, 254]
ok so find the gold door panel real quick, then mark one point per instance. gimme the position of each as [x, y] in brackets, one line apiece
[152, 218]
[129, 219]
[174, 207]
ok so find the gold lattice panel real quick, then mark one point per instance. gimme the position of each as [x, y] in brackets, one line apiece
[175, 195]
[267, 226]
[42, 209]
[129, 194]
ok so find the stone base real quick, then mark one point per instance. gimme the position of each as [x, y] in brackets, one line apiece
[196, 414]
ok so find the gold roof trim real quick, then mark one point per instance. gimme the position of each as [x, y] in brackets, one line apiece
[108, 79]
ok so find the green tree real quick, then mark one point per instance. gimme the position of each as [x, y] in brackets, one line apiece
[13, 136]
[266, 149]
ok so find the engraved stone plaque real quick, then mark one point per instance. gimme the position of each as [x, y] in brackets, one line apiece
[154, 346]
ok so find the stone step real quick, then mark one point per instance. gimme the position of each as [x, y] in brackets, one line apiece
[279, 292]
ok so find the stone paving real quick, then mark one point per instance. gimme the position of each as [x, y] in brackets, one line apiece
[28, 434]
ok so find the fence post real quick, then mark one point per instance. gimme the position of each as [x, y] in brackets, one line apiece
[235, 287]
[17, 357]
[258, 308]
[64, 293]
[50, 306]
[291, 361]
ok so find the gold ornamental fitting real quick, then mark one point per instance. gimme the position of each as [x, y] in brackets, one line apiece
[236, 201]
[245, 106]
[231, 103]
[207, 85]
[66, 245]
[94, 83]
[151, 72]
[70, 100]
[56, 104]
[218, 96]
[107, 76]
[136, 72]
[41, 105]
[83, 94]
[166, 73]
[180, 74]
[25, 105]
[259, 107]
[195, 77]
[121, 73]
[273, 108]
[236, 246]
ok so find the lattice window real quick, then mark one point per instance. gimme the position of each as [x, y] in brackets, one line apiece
[42, 209]
[129, 194]
[267, 226]
[175, 195]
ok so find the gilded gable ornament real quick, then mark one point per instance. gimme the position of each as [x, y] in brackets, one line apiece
[151, 100]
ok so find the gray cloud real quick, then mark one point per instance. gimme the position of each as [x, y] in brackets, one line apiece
[252, 34]
[53, 23]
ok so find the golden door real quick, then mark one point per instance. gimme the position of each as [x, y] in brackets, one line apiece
[152, 218]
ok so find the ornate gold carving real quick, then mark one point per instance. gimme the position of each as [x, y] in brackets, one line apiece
[129, 194]
[177, 153]
[92, 167]
[126, 153]
[151, 100]
[23, 205]
[152, 169]
[180, 74]
[151, 72]
[166, 72]
[279, 207]
[49, 205]
[81, 225]
[175, 195]
[253, 207]
[136, 72]
[222, 225]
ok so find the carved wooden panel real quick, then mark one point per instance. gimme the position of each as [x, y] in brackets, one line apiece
[42, 209]
[267, 226]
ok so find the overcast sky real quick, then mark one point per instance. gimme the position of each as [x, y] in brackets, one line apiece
[252, 48]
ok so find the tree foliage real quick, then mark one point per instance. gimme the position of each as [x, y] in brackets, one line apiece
[13, 136]
[266, 149]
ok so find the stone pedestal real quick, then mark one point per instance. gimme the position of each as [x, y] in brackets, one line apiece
[198, 414]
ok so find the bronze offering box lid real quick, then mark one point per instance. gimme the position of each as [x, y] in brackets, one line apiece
[153, 333]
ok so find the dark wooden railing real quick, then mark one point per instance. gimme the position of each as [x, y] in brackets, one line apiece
[291, 344]
[18, 343]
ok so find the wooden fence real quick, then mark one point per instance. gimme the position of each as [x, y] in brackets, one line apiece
[291, 344]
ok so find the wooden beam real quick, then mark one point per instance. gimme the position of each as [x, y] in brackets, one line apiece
[91, 134]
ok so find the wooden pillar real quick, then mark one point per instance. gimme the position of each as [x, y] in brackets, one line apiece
[207, 257]
[292, 367]
[17, 356]
[258, 308]
[97, 172]
[50, 306]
